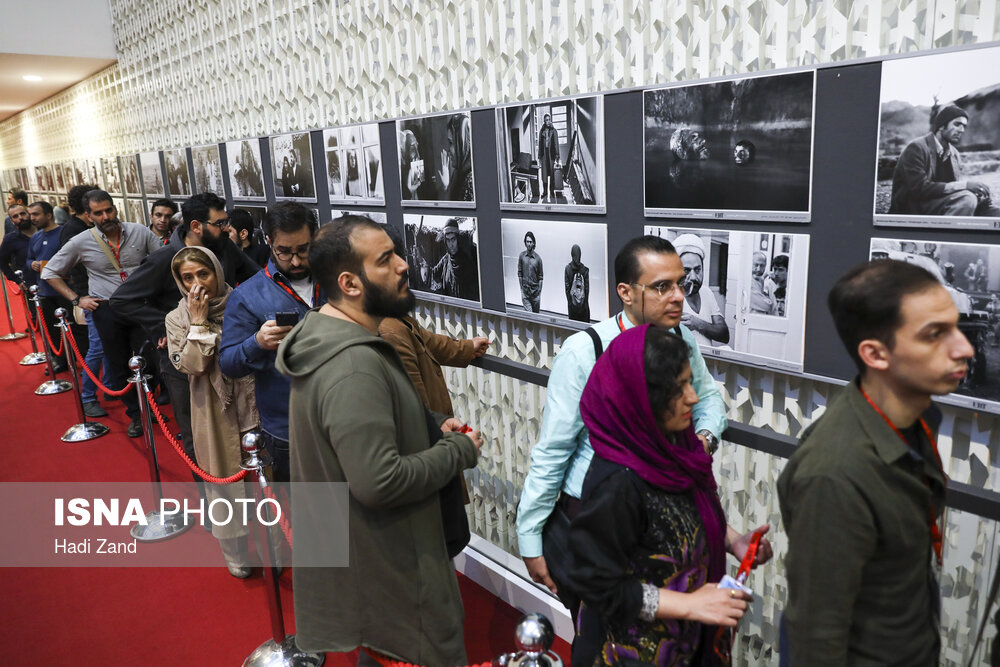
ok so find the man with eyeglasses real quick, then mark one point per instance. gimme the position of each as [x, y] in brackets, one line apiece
[250, 329]
[650, 277]
[150, 292]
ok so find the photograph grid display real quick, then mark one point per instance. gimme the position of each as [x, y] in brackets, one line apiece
[443, 254]
[353, 159]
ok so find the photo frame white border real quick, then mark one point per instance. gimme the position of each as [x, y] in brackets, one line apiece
[354, 201]
[162, 192]
[274, 174]
[435, 203]
[228, 176]
[441, 298]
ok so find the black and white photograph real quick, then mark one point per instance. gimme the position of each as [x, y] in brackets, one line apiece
[971, 274]
[135, 211]
[60, 175]
[938, 162]
[75, 173]
[94, 172]
[378, 216]
[207, 169]
[435, 160]
[354, 164]
[246, 176]
[130, 172]
[744, 293]
[740, 149]
[443, 254]
[178, 176]
[152, 174]
[112, 175]
[555, 270]
[550, 155]
[43, 177]
[292, 166]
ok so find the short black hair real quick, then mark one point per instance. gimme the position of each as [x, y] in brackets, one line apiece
[532, 235]
[666, 356]
[866, 301]
[288, 217]
[20, 196]
[197, 208]
[44, 205]
[240, 220]
[779, 261]
[168, 203]
[77, 197]
[332, 252]
[627, 260]
[97, 195]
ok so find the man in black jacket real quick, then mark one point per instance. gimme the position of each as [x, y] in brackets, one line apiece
[150, 291]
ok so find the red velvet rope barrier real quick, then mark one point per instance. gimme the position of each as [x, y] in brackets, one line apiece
[12, 288]
[90, 373]
[44, 327]
[386, 661]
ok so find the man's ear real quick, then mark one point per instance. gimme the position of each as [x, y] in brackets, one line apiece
[874, 354]
[196, 227]
[624, 293]
[349, 284]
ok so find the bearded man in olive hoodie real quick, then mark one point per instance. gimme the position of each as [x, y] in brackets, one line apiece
[355, 417]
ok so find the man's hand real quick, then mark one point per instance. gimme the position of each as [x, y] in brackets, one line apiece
[270, 335]
[36, 266]
[479, 345]
[981, 190]
[161, 343]
[739, 546]
[539, 573]
[455, 425]
[89, 303]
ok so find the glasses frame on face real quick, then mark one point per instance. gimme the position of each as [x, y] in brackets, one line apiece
[662, 288]
[221, 225]
[286, 254]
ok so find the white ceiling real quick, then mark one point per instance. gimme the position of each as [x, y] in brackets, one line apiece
[62, 41]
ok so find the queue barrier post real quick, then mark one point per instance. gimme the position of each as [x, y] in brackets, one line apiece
[82, 430]
[13, 335]
[159, 526]
[533, 637]
[52, 386]
[280, 650]
[34, 357]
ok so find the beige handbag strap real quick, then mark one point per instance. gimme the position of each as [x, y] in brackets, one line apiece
[107, 249]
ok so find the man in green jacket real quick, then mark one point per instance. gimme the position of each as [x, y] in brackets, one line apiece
[355, 417]
[861, 498]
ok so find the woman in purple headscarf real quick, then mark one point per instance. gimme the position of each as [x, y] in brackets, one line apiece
[649, 543]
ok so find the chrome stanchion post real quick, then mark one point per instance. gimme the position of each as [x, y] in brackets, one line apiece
[280, 649]
[533, 637]
[83, 430]
[34, 357]
[159, 526]
[52, 386]
[13, 335]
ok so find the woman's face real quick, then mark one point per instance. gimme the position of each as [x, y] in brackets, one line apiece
[678, 417]
[193, 273]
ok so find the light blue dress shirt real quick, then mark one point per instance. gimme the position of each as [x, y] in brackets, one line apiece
[561, 457]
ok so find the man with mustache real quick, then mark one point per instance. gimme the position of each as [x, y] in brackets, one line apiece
[701, 311]
[862, 496]
[151, 291]
[250, 331]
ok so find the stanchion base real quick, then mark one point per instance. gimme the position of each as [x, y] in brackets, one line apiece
[285, 654]
[14, 336]
[84, 431]
[53, 387]
[33, 359]
[159, 527]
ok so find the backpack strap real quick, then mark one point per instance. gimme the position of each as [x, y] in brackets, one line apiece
[598, 345]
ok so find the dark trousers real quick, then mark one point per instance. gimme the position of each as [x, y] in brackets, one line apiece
[178, 387]
[278, 449]
[49, 306]
[118, 338]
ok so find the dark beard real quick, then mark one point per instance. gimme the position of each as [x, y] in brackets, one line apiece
[213, 243]
[382, 303]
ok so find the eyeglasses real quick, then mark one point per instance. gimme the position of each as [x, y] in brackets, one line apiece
[662, 288]
[220, 224]
[286, 254]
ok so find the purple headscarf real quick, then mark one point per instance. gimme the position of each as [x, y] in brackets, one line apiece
[623, 429]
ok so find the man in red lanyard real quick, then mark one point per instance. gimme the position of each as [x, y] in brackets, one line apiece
[862, 497]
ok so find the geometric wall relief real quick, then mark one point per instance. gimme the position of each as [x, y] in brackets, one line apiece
[192, 72]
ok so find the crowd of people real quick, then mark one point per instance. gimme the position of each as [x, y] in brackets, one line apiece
[619, 515]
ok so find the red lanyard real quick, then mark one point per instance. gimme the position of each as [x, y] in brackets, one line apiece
[937, 536]
[621, 324]
[293, 293]
[116, 251]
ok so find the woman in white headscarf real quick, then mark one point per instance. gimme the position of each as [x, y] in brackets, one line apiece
[222, 409]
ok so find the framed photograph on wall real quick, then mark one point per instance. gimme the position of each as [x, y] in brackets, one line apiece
[130, 173]
[353, 161]
[443, 254]
[378, 216]
[152, 174]
[938, 158]
[744, 293]
[292, 167]
[135, 211]
[207, 169]
[555, 271]
[970, 272]
[435, 160]
[112, 176]
[178, 175]
[246, 176]
[550, 155]
[60, 177]
[739, 149]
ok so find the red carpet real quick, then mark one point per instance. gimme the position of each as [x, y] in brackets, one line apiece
[143, 616]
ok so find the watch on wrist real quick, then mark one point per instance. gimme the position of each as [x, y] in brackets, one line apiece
[713, 442]
[76, 301]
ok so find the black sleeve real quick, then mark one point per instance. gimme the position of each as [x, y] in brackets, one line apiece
[246, 268]
[602, 538]
[7, 248]
[138, 297]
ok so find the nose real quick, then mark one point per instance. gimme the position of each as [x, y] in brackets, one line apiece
[296, 260]
[963, 348]
[690, 395]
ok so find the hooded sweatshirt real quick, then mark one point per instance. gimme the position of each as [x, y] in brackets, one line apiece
[355, 417]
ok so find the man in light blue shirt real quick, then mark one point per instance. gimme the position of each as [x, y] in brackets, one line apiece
[649, 274]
